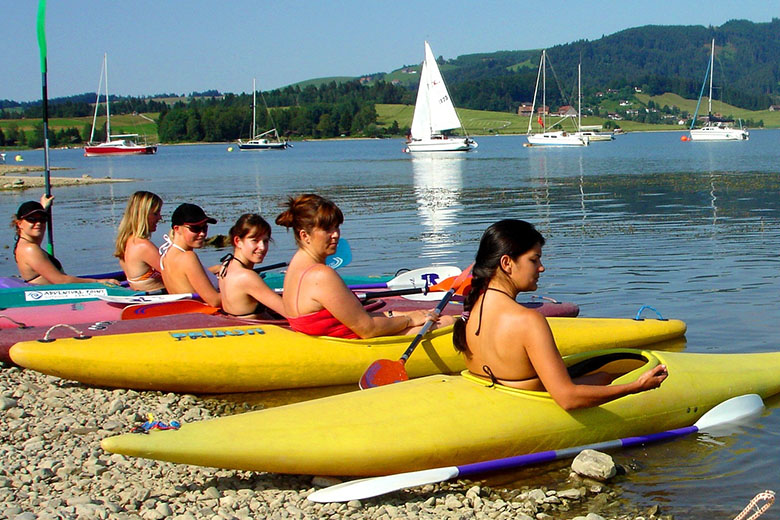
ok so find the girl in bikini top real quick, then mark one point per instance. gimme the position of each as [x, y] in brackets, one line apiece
[134, 249]
[512, 345]
[316, 300]
[244, 293]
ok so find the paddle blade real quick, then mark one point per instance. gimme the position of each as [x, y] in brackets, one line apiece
[372, 487]
[342, 256]
[383, 372]
[151, 310]
[734, 410]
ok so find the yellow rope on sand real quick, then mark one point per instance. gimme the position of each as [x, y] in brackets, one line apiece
[768, 497]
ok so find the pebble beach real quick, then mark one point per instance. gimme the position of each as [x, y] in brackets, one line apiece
[53, 467]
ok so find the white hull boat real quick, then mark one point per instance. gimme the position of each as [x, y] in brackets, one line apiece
[715, 129]
[434, 114]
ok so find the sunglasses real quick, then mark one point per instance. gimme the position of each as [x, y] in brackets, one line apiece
[203, 228]
[34, 219]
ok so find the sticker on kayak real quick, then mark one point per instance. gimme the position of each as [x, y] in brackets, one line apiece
[214, 333]
[63, 294]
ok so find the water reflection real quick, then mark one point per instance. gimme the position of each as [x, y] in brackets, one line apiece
[438, 187]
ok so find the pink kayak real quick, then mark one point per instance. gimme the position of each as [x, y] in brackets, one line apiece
[548, 308]
[9, 337]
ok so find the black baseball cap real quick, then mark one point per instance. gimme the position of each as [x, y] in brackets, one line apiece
[29, 208]
[190, 214]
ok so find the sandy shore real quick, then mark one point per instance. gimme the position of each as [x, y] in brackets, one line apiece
[53, 467]
[20, 177]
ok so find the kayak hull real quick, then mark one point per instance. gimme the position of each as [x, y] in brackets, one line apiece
[46, 295]
[268, 357]
[448, 420]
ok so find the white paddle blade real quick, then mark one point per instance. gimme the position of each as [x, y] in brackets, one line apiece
[734, 410]
[423, 277]
[375, 486]
[148, 298]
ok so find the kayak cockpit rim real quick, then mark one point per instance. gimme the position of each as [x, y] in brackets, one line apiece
[625, 364]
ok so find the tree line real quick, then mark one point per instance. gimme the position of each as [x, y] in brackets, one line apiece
[328, 110]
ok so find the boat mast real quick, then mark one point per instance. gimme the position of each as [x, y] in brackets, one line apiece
[254, 107]
[579, 97]
[536, 91]
[712, 70]
[97, 101]
[108, 115]
[544, 90]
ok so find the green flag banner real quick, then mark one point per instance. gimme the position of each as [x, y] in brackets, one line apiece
[42, 33]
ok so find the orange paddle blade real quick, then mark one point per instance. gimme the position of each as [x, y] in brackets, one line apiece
[447, 283]
[383, 372]
[152, 310]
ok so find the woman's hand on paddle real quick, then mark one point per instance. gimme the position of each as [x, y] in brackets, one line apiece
[652, 378]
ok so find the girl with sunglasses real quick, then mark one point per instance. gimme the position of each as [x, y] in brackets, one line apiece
[181, 269]
[244, 293]
[138, 256]
[37, 266]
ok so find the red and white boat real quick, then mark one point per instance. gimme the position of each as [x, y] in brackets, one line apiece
[121, 146]
[115, 144]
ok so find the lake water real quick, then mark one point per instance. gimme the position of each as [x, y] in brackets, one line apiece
[688, 228]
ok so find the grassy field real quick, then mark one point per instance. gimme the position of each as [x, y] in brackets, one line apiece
[121, 124]
[771, 119]
[483, 122]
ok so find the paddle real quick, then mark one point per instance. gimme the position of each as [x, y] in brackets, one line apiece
[432, 293]
[386, 371]
[423, 279]
[341, 257]
[729, 411]
[120, 275]
[41, 30]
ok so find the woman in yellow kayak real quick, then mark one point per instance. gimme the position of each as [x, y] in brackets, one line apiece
[181, 269]
[138, 256]
[512, 345]
[37, 266]
[244, 293]
[316, 299]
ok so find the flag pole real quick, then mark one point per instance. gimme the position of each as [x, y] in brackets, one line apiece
[45, 98]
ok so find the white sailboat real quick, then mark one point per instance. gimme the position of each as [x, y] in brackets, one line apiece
[115, 144]
[715, 129]
[549, 138]
[434, 114]
[268, 140]
[591, 133]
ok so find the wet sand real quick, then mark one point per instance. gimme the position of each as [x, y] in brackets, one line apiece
[21, 177]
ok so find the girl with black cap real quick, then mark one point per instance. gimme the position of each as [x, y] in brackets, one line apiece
[36, 266]
[182, 271]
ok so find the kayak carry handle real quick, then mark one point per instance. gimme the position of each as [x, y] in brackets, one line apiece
[638, 316]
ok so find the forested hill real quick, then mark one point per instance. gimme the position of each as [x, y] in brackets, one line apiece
[657, 58]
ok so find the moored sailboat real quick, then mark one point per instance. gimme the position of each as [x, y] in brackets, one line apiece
[545, 137]
[115, 144]
[268, 140]
[434, 114]
[715, 128]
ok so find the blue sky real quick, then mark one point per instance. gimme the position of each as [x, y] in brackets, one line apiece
[180, 47]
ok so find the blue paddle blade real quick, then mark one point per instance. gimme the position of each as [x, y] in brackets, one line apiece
[342, 256]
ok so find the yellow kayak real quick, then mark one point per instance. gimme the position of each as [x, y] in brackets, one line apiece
[268, 357]
[447, 420]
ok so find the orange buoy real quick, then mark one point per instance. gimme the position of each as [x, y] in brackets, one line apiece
[684, 138]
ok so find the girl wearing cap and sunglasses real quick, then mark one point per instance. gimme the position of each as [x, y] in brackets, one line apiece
[181, 269]
[35, 265]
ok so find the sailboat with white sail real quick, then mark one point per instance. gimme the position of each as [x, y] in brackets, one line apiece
[115, 144]
[434, 114]
[545, 137]
[268, 140]
[715, 128]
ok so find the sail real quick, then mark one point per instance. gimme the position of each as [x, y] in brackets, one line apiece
[442, 111]
[433, 110]
[421, 121]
